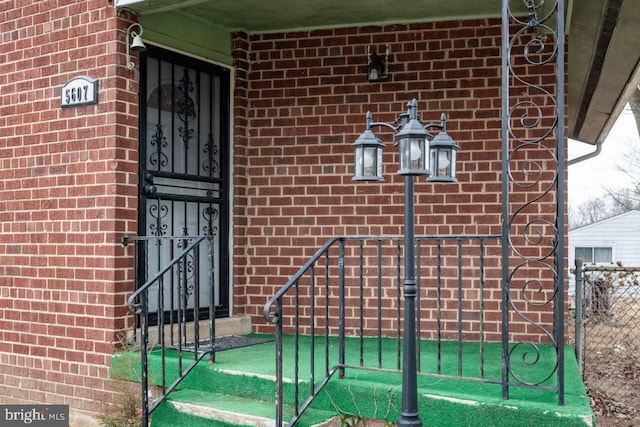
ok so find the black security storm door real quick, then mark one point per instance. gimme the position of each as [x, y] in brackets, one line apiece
[184, 179]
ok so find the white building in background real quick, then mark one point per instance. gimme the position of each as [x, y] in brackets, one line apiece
[611, 241]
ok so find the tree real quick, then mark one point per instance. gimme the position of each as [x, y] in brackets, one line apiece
[617, 200]
[628, 198]
[634, 102]
[591, 211]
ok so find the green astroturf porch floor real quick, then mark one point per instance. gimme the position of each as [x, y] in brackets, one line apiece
[244, 379]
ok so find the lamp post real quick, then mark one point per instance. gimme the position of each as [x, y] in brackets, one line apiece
[412, 138]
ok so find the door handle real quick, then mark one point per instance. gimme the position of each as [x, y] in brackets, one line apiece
[149, 189]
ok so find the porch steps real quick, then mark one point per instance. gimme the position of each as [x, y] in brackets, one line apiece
[235, 391]
[238, 390]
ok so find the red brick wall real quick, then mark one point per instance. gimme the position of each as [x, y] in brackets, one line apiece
[307, 98]
[67, 195]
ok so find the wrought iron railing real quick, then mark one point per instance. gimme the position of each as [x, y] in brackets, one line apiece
[349, 294]
[173, 294]
[533, 187]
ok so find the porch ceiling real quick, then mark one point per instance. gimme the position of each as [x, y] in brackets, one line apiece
[603, 53]
[265, 16]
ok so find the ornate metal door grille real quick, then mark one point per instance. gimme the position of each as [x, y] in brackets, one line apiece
[184, 121]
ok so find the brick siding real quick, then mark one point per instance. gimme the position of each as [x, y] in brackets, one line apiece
[306, 101]
[68, 185]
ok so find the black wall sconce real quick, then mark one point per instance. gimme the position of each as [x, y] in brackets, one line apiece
[377, 68]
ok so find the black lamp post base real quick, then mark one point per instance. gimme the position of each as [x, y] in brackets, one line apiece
[409, 420]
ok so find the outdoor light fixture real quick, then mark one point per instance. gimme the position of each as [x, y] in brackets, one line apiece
[412, 142]
[412, 138]
[135, 45]
[377, 68]
[416, 157]
[368, 151]
[443, 155]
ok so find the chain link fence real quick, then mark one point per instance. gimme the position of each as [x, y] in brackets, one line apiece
[607, 338]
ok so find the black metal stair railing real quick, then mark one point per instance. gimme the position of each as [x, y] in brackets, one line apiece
[168, 308]
[350, 290]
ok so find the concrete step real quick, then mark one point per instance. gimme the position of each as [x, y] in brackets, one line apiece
[195, 408]
[235, 325]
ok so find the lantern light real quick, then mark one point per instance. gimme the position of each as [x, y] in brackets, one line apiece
[412, 141]
[443, 156]
[377, 68]
[368, 155]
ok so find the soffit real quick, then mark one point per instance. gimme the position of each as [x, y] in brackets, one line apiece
[604, 65]
[263, 16]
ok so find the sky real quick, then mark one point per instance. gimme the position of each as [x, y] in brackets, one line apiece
[590, 178]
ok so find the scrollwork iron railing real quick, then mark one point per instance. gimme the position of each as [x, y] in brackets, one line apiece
[533, 188]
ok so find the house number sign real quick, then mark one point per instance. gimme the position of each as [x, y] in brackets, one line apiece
[81, 90]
